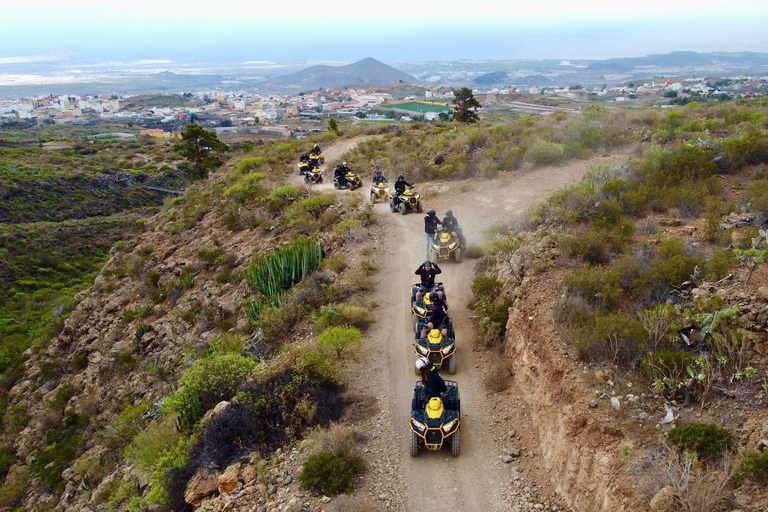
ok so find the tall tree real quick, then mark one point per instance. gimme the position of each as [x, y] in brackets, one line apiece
[202, 148]
[465, 106]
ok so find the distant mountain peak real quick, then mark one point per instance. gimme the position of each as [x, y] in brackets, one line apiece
[367, 70]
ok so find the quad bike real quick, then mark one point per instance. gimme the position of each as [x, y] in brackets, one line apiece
[318, 159]
[445, 245]
[438, 350]
[422, 308]
[379, 191]
[313, 176]
[408, 201]
[305, 167]
[437, 421]
[353, 181]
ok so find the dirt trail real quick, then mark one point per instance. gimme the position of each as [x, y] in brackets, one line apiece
[476, 480]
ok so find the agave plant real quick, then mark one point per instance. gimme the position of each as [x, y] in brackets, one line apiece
[275, 273]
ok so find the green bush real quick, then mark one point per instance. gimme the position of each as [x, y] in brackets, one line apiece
[673, 266]
[340, 339]
[757, 195]
[668, 365]
[331, 473]
[7, 458]
[484, 286]
[590, 247]
[282, 197]
[344, 314]
[615, 338]
[720, 264]
[754, 467]
[207, 382]
[599, 286]
[707, 440]
[543, 152]
[132, 420]
[749, 147]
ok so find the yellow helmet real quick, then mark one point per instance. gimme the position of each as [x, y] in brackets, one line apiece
[435, 337]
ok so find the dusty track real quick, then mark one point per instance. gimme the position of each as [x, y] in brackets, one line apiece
[476, 480]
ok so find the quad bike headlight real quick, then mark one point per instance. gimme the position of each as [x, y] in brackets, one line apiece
[419, 310]
[435, 247]
[419, 426]
[449, 426]
[453, 245]
[446, 350]
[422, 350]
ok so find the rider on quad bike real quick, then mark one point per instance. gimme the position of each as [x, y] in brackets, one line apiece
[340, 173]
[379, 178]
[451, 224]
[315, 150]
[400, 186]
[438, 318]
[427, 271]
[430, 378]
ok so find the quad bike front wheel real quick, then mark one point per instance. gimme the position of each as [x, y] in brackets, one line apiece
[403, 209]
[418, 207]
[455, 442]
[373, 198]
[350, 185]
[457, 255]
[415, 444]
[433, 256]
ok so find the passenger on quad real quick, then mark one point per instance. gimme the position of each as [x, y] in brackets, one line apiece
[315, 150]
[340, 173]
[438, 318]
[400, 186]
[378, 178]
[427, 271]
[304, 158]
[430, 378]
[430, 228]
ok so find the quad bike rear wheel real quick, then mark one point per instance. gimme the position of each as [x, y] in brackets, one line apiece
[455, 442]
[452, 364]
[415, 444]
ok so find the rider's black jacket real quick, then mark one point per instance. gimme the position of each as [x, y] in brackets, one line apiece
[438, 313]
[379, 179]
[450, 223]
[435, 382]
[400, 186]
[315, 151]
[428, 276]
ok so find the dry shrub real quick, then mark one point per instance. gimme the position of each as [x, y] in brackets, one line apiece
[695, 486]
[500, 374]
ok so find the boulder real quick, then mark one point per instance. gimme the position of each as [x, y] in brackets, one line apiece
[292, 506]
[200, 486]
[228, 480]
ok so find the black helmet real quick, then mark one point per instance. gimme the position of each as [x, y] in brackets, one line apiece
[338, 166]
[433, 296]
[449, 213]
[400, 177]
[378, 172]
[431, 213]
[427, 263]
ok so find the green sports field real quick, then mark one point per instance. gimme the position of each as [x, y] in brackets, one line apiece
[417, 106]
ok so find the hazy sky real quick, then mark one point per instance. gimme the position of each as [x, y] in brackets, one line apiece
[391, 30]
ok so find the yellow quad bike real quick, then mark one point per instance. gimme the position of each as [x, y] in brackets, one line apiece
[436, 422]
[318, 159]
[380, 191]
[421, 309]
[408, 202]
[304, 167]
[444, 246]
[353, 181]
[314, 176]
[437, 350]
